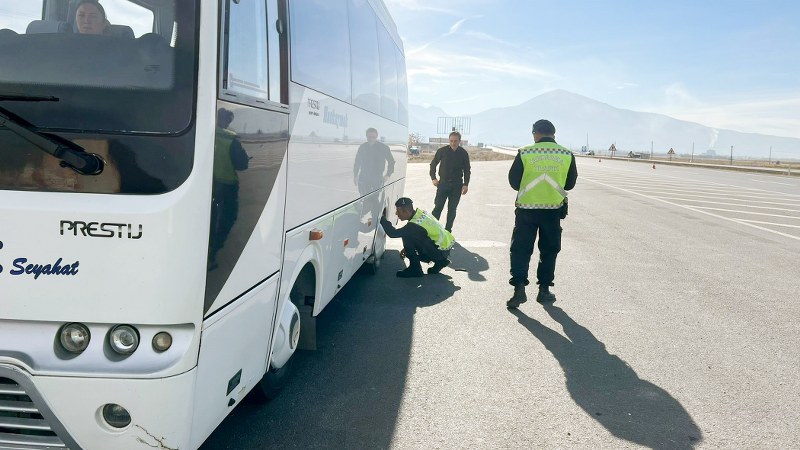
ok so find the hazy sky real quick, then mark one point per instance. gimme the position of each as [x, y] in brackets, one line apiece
[729, 64]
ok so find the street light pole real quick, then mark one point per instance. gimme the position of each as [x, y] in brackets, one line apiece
[770, 154]
[692, 160]
[731, 155]
[651, 149]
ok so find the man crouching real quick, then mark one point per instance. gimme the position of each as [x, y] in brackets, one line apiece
[424, 239]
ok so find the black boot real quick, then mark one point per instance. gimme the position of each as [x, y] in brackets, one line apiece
[412, 271]
[518, 298]
[545, 296]
[438, 266]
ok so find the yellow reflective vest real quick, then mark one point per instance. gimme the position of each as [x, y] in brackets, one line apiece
[545, 169]
[443, 239]
[223, 165]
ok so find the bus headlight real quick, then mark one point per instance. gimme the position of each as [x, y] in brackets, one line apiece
[162, 341]
[74, 337]
[116, 416]
[123, 339]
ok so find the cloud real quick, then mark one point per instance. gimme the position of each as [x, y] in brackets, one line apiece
[421, 5]
[775, 114]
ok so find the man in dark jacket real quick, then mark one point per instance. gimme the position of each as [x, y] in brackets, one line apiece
[454, 173]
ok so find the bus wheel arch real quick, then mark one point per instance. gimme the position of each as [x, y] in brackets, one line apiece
[300, 308]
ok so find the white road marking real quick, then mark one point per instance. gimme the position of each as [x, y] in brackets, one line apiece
[745, 212]
[751, 225]
[773, 182]
[732, 204]
[770, 223]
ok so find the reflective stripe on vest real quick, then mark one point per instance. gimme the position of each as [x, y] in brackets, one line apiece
[223, 165]
[435, 230]
[545, 169]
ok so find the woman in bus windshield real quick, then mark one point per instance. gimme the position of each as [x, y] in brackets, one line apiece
[90, 18]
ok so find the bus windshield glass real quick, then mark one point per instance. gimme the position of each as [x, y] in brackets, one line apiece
[113, 65]
[116, 78]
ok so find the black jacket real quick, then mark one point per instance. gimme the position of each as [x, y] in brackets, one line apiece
[454, 165]
[409, 230]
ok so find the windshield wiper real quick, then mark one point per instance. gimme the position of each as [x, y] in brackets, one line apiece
[72, 155]
[28, 98]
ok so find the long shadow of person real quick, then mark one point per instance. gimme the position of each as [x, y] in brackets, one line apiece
[610, 391]
[466, 261]
[428, 289]
[355, 379]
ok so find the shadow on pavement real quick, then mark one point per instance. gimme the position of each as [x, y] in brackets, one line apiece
[466, 261]
[610, 391]
[347, 393]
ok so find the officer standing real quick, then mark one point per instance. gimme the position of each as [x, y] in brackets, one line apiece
[541, 173]
[424, 239]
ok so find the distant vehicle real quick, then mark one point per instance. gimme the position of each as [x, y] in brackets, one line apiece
[590, 153]
[634, 155]
[413, 150]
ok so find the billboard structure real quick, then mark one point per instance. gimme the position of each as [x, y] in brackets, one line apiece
[448, 124]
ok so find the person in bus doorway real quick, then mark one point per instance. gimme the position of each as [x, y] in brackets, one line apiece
[424, 239]
[541, 174]
[374, 164]
[454, 173]
[90, 18]
[229, 157]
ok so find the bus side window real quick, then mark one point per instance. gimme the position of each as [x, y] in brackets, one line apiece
[245, 69]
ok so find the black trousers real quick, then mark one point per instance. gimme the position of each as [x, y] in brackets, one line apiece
[422, 249]
[224, 212]
[528, 223]
[450, 192]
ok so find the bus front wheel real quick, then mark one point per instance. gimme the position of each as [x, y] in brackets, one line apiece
[274, 380]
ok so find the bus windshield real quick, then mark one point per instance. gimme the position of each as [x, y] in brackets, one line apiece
[108, 67]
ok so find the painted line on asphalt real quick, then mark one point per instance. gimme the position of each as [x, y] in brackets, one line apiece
[770, 223]
[746, 212]
[751, 225]
[730, 204]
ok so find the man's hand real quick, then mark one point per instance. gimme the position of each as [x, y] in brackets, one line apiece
[435, 182]
[464, 189]
[403, 254]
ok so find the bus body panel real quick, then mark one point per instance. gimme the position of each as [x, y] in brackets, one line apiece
[77, 403]
[325, 136]
[230, 365]
[139, 245]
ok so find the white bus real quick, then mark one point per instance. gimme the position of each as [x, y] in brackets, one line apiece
[180, 195]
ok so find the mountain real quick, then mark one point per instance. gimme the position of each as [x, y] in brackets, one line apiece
[575, 115]
[423, 119]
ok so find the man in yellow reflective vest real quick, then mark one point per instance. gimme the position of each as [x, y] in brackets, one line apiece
[424, 239]
[541, 174]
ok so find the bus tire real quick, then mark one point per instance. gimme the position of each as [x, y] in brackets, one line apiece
[373, 264]
[273, 381]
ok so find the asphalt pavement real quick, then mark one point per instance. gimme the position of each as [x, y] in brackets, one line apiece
[675, 328]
